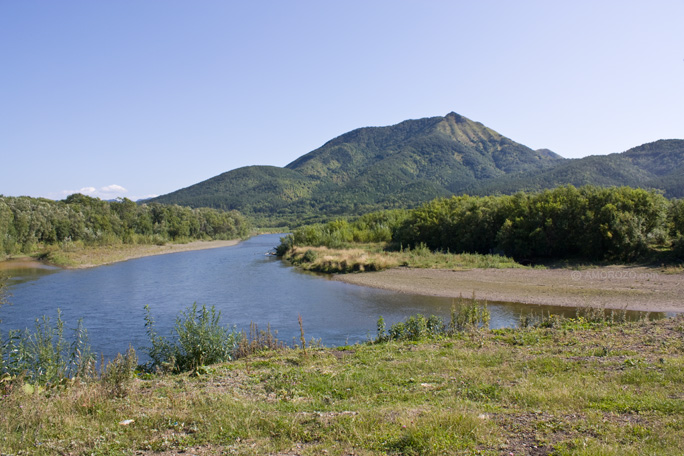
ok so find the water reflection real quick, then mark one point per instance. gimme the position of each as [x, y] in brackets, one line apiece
[24, 269]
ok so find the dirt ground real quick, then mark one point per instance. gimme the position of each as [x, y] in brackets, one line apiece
[612, 287]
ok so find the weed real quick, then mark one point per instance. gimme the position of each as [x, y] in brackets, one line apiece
[381, 330]
[416, 327]
[197, 339]
[117, 376]
[371, 257]
[302, 338]
[468, 315]
[44, 355]
[256, 341]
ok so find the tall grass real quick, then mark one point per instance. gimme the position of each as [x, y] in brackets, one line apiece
[257, 340]
[44, 355]
[466, 315]
[584, 317]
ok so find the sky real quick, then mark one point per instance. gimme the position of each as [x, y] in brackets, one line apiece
[135, 98]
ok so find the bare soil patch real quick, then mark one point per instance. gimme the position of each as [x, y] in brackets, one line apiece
[612, 287]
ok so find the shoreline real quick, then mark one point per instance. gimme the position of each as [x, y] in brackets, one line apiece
[611, 287]
[99, 256]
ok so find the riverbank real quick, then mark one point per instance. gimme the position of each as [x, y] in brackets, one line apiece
[88, 257]
[612, 287]
[575, 389]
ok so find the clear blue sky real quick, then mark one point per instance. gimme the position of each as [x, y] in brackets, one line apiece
[142, 97]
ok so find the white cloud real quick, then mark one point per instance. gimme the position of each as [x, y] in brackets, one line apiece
[113, 189]
[106, 192]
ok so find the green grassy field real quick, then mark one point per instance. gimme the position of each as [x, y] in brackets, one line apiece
[572, 387]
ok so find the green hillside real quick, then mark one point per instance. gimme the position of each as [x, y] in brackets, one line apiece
[415, 161]
[368, 169]
[254, 190]
[658, 165]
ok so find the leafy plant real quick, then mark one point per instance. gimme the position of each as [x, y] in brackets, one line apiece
[197, 339]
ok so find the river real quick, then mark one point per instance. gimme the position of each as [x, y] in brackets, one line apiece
[244, 282]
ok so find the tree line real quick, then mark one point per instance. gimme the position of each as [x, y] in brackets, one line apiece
[592, 223]
[28, 223]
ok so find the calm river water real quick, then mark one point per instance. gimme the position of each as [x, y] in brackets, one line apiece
[243, 282]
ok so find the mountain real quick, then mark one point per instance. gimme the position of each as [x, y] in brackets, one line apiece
[657, 165]
[406, 164]
[368, 169]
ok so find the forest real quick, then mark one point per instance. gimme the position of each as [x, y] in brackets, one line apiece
[28, 224]
[592, 223]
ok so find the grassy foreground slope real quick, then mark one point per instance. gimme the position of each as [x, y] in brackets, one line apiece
[571, 387]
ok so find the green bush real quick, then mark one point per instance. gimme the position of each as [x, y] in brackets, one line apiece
[678, 249]
[309, 256]
[197, 339]
[618, 223]
[369, 228]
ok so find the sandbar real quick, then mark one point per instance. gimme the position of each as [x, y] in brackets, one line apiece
[98, 256]
[611, 287]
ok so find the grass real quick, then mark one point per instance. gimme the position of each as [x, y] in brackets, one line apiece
[372, 257]
[572, 387]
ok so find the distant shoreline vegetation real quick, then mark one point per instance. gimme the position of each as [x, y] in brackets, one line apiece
[37, 225]
[617, 224]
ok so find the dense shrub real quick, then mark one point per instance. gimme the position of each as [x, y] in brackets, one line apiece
[676, 218]
[369, 228]
[589, 222]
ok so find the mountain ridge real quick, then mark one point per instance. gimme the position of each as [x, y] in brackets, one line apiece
[414, 161]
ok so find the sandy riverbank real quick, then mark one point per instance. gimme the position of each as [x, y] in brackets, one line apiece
[612, 287]
[98, 256]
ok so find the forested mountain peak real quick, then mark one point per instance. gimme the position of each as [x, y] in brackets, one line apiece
[417, 160]
[423, 146]
[466, 131]
[548, 153]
